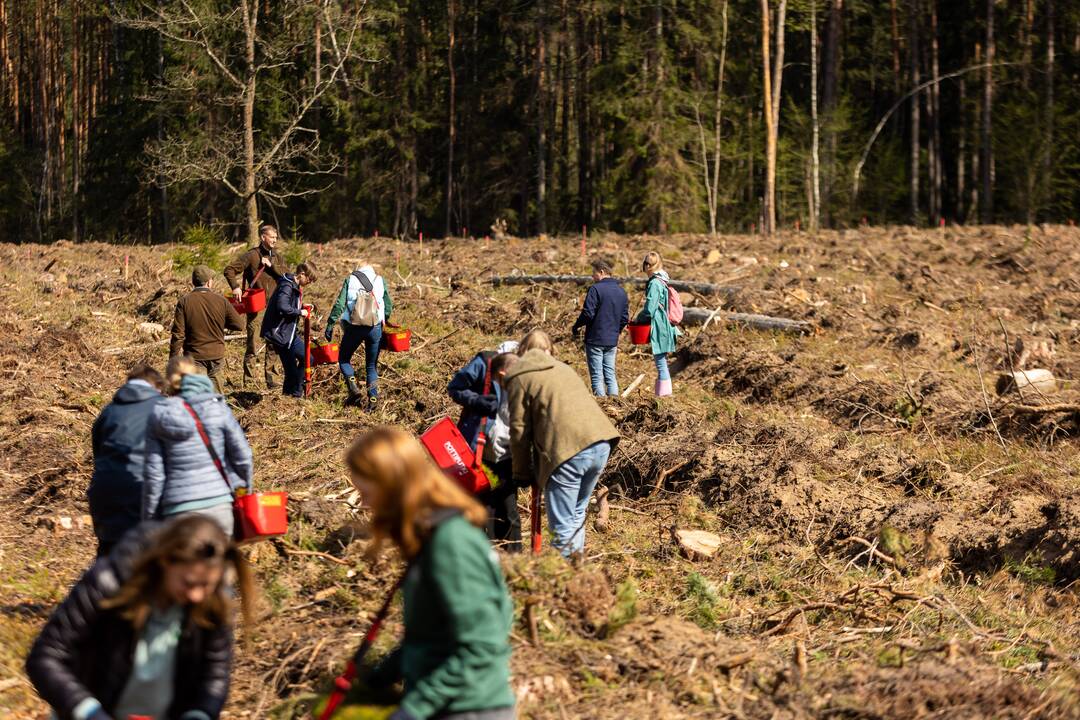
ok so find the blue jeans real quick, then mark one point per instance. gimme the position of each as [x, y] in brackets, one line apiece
[601, 362]
[662, 372]
[567, 496]
[371, 337]
[292, 361]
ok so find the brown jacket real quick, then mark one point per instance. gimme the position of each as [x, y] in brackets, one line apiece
[199, 325]
[240, 271]
[552, 414]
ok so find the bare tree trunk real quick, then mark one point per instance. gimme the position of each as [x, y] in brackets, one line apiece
[935, 103]
[829, 83]
[541, 118]
[1026, 31]
[815, 162]
[251, 18]
[584, 132]
[961, 154]
[769, 216]
[914, 143]
[974, 205]
[451, 12]
[895, 27]
[716, 121]
[986, 163]
[1048, 106]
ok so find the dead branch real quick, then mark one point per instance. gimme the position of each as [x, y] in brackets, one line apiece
[680, 285]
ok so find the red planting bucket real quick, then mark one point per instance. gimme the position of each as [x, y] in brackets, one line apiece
[324, 354]
[253, 300]
[397, 338]
[639, 334]
[260, 515]
[447, 447]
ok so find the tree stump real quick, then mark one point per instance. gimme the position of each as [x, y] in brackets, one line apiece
[697, 544]
[1035, 381]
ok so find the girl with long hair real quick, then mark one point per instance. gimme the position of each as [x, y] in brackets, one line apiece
[655, 312]
[455, 657]
[148, 630]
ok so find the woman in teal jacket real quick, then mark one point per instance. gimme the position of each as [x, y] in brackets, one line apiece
[662, 333]
[455, 657]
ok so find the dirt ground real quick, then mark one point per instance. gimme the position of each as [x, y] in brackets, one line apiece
[899, 541]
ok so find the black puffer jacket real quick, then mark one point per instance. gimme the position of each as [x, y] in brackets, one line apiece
[86, 651]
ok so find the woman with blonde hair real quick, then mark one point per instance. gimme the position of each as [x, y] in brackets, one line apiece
[197, 456]
[455, 657]
[655, 312]
[147, 631]
[536, 340]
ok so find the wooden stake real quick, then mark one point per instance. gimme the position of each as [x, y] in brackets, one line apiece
[633, 386]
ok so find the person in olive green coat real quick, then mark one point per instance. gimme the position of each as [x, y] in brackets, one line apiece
[455, 657]
[662, 333]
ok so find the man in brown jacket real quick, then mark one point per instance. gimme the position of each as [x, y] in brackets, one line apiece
[554, 419]
[242, 273]
[199, 324]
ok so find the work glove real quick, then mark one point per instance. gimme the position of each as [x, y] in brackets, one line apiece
[329, 334]
[575, 332]
[488, 405]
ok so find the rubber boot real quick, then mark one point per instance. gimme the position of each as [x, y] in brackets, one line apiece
[355, 396]
[663, 388]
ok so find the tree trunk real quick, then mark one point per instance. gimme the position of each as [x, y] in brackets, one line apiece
[541, 118]
[251, 17]
[986, 162]
[961, 154]
[716, 120]
[938, 188]
[913, 146]
[895, 27]
[584, 131]
[1048, 107]
[769, 208]
[829, 85]
[815, 162]
[451, 20]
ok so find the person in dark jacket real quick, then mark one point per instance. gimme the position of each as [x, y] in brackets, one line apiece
[244, 272]
[147, 631]
[455, 656]
[279, 328]
[199, 324]
[119, 443]
[604, 315]
[484, 406]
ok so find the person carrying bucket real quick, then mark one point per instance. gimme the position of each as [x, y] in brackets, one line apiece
[180, 474]
[604, 314]
[560, 439]
[148, 630]
[248, 271]
[284, 310]
[362, 306]
[455, 656]
[662, 332]
[485, 413]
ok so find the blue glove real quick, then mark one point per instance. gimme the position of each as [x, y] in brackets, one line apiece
[329, 332]
[487, 405]
[402, 714]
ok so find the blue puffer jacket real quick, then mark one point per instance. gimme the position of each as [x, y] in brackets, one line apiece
[466, 388]
[178, 466]
[282, 312]
[119, 441]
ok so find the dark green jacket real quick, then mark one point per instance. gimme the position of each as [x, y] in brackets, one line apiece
[456, 653]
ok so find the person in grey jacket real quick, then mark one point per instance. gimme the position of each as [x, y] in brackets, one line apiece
[179, 475]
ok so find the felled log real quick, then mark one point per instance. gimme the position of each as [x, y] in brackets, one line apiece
[681, 285]
[1036, 380]
[697, 544]
[697, 316]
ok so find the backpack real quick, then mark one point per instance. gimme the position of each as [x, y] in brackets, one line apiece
[674, 304]
[365, 311]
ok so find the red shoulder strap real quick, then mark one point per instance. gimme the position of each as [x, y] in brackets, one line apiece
[209, 445]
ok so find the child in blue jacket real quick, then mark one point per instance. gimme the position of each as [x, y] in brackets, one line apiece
[279, 329]
[604, 315]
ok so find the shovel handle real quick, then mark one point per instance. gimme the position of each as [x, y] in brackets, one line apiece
[537, 537]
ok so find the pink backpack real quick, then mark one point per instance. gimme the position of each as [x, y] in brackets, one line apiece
[674, 304]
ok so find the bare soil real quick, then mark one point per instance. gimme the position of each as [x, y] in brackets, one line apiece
[900, 541]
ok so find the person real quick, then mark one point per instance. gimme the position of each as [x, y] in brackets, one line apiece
[484, 407]
[244, 272]
[554, 419]
[455, 656]
[605, 313]
[118, 439]
[147, 631]
[662, 333]
[536, 340]
[362, 305]
[181, 474]
[199, 324]
[279, 329]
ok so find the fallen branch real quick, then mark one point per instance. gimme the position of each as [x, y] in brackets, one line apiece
[700, 316]
[315, 553]
[874, 552]
[1042, 409]
[680, 285]
[633, 386]
[783, 624]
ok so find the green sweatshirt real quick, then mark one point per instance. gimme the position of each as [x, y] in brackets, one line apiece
[456, 653]
[342, 304]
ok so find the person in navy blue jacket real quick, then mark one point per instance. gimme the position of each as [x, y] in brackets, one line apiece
[489, 410]
[119, 442]
[604, 315]
[279, 329]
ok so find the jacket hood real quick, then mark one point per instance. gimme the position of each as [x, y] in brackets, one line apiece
[532, 361]
[134, 391]
[507, 346]
[661, 274]
[171, 419]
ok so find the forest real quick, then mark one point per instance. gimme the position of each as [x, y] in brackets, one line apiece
[134, 120]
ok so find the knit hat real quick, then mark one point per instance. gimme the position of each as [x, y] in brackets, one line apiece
[201, 275]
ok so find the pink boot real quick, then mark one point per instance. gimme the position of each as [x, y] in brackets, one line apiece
[663, 388]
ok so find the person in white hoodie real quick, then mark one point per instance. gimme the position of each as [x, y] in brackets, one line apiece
[362, 306]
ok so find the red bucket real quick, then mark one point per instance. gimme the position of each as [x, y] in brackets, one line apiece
[447, 447]
[260, 515]
[397, 338]
[324, 354]
[639, 334]
[252, 301]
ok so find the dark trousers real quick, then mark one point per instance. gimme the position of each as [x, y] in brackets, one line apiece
[212, 368]
[504, 523]
[292, 360]
[371, 338]
[269, 371]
